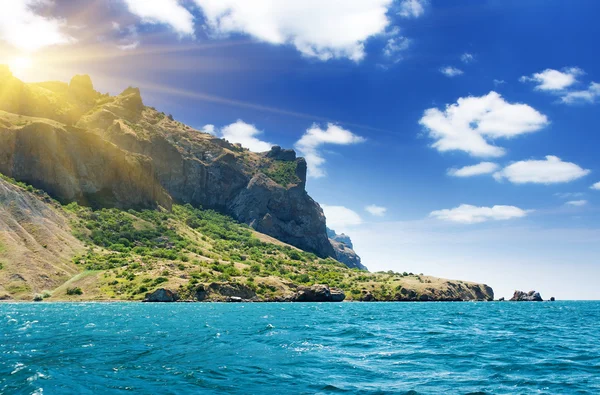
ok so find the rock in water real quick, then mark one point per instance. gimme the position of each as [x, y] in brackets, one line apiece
[337, 295]
[162, 295]
[531, 296]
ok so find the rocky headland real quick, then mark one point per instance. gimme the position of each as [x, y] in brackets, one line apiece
[105, 198]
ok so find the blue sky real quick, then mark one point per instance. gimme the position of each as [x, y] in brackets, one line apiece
[384, 98]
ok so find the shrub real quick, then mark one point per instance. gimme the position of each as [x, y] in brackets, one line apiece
[74, 291]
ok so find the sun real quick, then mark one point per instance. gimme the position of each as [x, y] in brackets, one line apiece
[20, 65]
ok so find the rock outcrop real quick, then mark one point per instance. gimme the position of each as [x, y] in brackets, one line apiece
[318, 293]
[225, 292]
[531, 296]
[344, 252]
[162, 295]
[277, 153]
[72, 164]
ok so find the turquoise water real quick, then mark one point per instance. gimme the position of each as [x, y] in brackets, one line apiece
[365, 348]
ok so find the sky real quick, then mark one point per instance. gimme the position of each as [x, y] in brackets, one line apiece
[453, 138]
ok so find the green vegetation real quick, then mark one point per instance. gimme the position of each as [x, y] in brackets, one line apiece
[139, 251]
[282, 172]
[74, 291]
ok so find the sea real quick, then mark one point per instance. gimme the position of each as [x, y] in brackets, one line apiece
[302, 348]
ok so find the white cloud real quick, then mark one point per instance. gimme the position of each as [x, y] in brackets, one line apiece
[596, 186]
[395, 46]
[244, 134]
[340, 217]
[566, 195]
[210, 129]
[550, 171]
[23, 28]
[467, 124]
[164, 12]
[375, 210]
[474, 170]
[584, 96]
[576, 203]
[315, 137]
[554, 80]
[468, 214]
[450, 71]
[317, 28]
[412, 8]
[467, 57]
[499, 82]
[129, 47]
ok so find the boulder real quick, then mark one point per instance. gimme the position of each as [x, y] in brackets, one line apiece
[367, 296]
[501, 299]
[337, 295]
[531, 296]
[162, 295]
[318, 293]
[552, 299]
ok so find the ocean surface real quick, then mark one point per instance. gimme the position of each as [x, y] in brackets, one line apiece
[276, 348]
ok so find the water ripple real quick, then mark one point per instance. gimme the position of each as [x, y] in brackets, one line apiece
[348, 348]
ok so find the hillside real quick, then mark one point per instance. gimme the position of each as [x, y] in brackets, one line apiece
[115, 199]
[76, 253]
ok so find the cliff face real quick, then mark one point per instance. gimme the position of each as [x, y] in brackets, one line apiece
[124, 154]
[344, 250]
[74, 165]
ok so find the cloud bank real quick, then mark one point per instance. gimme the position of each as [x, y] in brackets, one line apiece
[468, 124]
[164, 12]
[340, 218]
[242, 133]
[23, 28]
[552, 170]
[318, 29]
[315, 137]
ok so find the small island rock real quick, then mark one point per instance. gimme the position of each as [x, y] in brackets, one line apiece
[531, 296]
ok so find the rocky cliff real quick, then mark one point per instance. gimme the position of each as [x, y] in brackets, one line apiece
[344, 250]
[80, 145]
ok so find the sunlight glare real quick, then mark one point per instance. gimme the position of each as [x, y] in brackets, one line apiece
[20, 65]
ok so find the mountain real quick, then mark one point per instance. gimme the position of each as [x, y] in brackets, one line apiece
[80, 145]
[104, 198]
